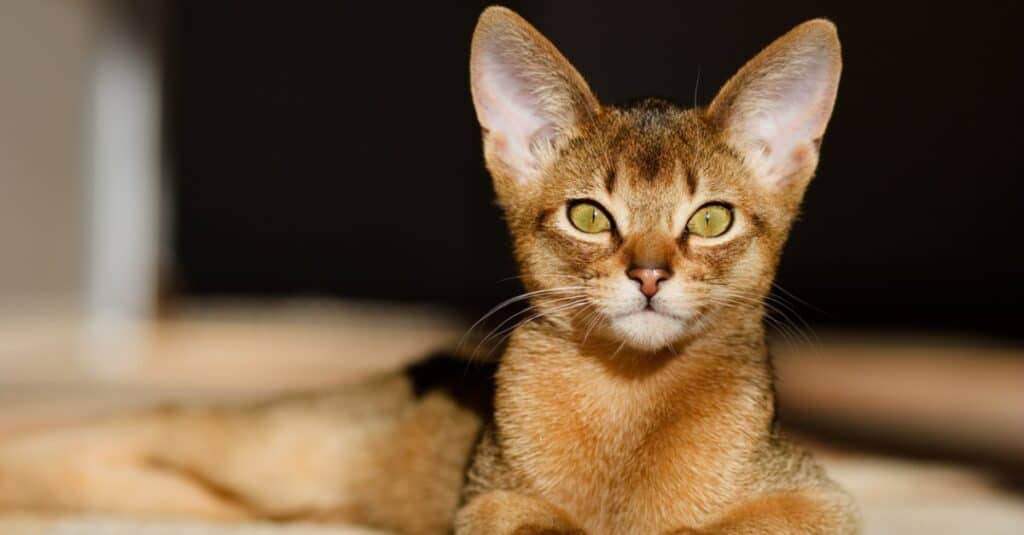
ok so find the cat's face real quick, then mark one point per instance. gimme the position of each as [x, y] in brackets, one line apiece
[641, 225]
[646, 193]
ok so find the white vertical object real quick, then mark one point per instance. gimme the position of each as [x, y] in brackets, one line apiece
[124, 181]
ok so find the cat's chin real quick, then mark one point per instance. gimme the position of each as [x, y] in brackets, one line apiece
[648, 330]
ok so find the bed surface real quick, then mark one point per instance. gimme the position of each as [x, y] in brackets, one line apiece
[54, 371]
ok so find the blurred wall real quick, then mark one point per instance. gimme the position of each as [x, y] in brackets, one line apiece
[44, 70]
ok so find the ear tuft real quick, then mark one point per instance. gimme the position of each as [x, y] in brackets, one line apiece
[776, 108]
[527, 95]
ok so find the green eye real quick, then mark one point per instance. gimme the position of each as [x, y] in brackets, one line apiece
[710, 220]
[589, 218]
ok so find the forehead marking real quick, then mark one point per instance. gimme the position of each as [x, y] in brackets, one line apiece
[609, 180]
[691, 181]
[648, 161]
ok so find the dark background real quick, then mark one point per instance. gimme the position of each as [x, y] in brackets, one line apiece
[331, 148]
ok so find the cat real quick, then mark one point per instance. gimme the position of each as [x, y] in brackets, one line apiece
[638, 398]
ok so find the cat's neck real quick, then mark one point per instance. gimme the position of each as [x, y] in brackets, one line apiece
[734, 344]
[724, 370]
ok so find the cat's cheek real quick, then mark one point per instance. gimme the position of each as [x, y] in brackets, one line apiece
[719, 261]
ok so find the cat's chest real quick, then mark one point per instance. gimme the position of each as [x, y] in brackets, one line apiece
[615, 457]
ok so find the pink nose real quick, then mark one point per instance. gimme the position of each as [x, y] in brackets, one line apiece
[648, 279]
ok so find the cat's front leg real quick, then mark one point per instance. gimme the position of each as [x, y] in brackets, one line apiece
[791, 513]
[502, 512]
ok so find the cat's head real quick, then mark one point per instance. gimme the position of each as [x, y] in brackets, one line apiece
[645, 224]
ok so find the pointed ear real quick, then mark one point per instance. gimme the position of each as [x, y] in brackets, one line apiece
[527, 96]
[775, 109]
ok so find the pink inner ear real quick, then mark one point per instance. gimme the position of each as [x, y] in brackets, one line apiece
[512, 114]
[526, 94]
[792, 114]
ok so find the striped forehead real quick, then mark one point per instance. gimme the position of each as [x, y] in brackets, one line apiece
[652, 169]
[651, 197]
[651, 141]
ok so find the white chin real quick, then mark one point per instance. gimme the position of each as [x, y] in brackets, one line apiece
[647, 330]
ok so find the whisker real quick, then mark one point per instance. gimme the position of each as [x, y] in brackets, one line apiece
[696, 87]
[806, 326]
[511, 330]
[622, 345]
[513, 300]
[565, 303]
[524, 311]
[535, 274]
[776, 315]
[596, 319]
[794, 297]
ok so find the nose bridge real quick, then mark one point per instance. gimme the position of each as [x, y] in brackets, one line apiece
[652, 249]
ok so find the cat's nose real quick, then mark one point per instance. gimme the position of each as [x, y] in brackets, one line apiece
[649, 278]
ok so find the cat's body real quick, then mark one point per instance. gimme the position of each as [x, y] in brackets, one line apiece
[639, 397]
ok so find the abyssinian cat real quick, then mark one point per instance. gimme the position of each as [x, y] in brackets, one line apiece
[638, 399]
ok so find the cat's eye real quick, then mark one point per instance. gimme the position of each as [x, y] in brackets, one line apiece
[711, 220]
[589, 218]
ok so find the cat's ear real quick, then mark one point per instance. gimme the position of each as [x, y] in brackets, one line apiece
[775, 109]
[527, 95]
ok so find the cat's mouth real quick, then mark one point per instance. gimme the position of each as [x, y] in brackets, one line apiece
[649, 328]
[650, 311]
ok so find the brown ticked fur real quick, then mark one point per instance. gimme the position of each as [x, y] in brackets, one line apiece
[589, 432]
